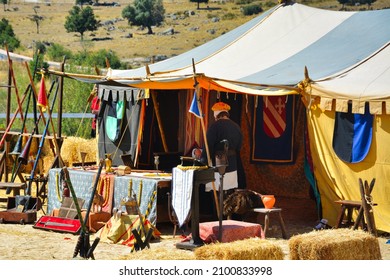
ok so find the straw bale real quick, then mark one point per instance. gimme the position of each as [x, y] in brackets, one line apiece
[70, 151]
[335, 244]
[72, 147]
[247, 249]
[160, 253]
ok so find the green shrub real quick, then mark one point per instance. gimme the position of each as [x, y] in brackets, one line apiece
[251, 9]
[229, 16]
[57, 52]
[244, 2]
[98, 59]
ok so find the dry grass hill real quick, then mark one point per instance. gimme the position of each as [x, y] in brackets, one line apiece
[189, 31]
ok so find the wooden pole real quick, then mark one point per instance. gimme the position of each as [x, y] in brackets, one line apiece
[7, 147]
[367, 207]
[60, 101]
[159, 122]
[209, 161]
[34, 91]
[140, 129]
[15, 86]
[7, 117]
[36, 98]
[57, 148]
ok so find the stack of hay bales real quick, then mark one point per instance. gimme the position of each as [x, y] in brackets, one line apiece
[247, 249]
[335, 244]
[70, 151]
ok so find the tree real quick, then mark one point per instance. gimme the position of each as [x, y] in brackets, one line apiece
[5, 2]
[80, 20]
[368, 2]
[145, 13]
[37, 19]
[7, 35]
[343, 3]
[82, 2]
[200, 1]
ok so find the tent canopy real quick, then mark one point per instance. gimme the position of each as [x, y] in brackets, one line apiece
[367, 81]
[332, 58]
[268, 54]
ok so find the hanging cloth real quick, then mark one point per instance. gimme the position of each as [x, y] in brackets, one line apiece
[116, 112]
[352, 135]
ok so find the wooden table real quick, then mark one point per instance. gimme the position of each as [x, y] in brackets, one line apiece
[83, 180]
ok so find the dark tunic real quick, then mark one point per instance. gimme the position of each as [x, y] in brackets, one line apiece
[224, 129]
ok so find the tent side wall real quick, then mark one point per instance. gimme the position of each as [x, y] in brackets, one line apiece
[337, 179]
[282, 180]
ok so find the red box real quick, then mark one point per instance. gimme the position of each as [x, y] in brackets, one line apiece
[231, 231]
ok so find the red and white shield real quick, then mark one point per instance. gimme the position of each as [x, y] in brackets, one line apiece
[274, 115]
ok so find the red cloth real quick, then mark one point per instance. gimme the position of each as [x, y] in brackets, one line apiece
[42, 97]
[95, 105]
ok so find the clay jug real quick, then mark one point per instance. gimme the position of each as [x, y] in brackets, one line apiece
[268, 200]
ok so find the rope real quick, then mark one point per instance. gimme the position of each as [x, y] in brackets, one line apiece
[150, 204]
[368, 199]
[59, 197]
[191, 167]
[82, 119]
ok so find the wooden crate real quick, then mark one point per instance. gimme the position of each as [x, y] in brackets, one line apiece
[20, 214]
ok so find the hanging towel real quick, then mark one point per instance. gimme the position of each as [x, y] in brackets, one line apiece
[182, 184]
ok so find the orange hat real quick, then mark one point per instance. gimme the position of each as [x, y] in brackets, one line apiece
[220, 106]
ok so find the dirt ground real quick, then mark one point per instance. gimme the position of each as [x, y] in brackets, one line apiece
[23, 242]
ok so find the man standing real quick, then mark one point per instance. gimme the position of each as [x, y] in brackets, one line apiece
[224, 129]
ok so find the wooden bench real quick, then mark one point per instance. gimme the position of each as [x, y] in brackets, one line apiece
[14, 187]
[267, 212]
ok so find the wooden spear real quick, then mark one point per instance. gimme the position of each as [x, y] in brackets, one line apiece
[209, 162]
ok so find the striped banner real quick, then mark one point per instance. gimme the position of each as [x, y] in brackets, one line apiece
[274, 115]
[273, 127]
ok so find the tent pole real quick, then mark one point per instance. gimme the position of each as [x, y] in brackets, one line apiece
[206, 145]
[159, 122]
[140, 129]
[207, 151]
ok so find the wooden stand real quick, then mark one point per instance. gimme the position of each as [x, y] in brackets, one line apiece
[347, 207]
[365, 217]
[202, 176]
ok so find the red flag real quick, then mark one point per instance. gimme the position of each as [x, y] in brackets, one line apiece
[42, 97]
[274, 115]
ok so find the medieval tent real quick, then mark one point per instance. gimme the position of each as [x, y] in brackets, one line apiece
[262, 64]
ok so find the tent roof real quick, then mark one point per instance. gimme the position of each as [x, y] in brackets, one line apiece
[268, 54]
[367, 81]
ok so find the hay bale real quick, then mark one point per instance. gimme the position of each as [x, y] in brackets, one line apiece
[72, 146]
[335, 244]
[247, 249]
[160, 253]
[70, 151]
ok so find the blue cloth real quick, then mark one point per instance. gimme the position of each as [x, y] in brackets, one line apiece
[352, 135]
